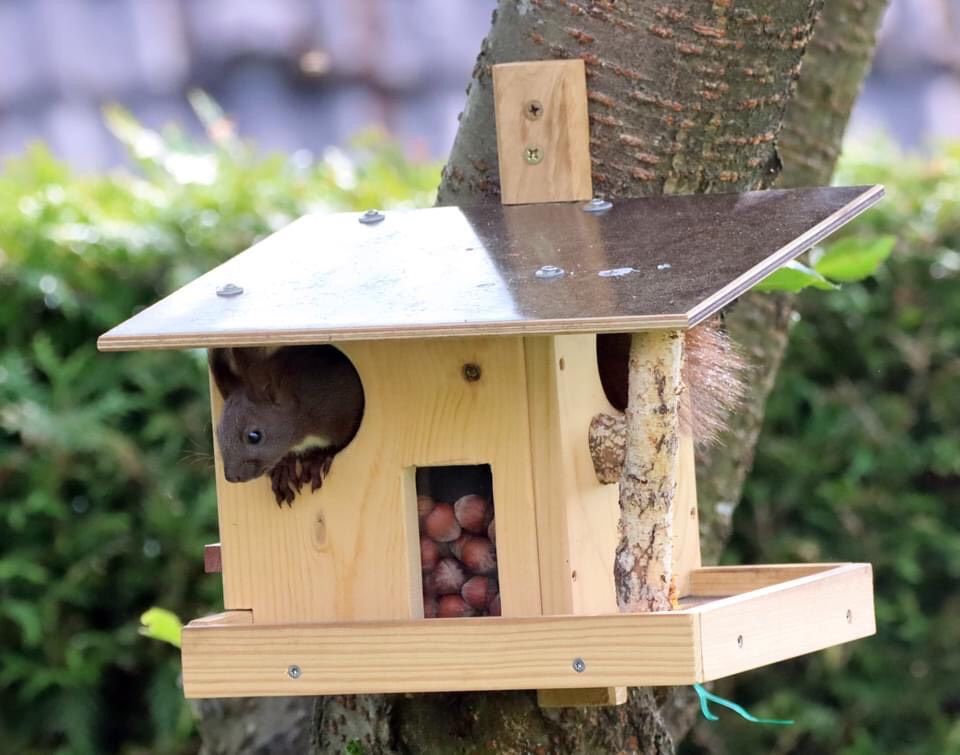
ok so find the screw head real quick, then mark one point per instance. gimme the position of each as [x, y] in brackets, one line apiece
[739, 640]
[597, 205]
[371, 216]
[533, 155]
[578, 665]
[533, 109]
[294, 671]
[550, 271]
[229, 289]
[471, 372]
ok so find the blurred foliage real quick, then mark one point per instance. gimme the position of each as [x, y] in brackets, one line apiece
[859, 460]
[105, 459]
[161, 624]
[847, 260]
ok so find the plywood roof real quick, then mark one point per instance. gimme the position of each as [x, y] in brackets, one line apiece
[660, 262]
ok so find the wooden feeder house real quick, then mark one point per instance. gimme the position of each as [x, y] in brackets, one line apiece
[474, 332]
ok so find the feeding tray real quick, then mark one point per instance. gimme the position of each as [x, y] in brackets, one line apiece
[738, 618]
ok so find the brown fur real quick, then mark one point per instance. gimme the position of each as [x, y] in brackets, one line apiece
[289, 395]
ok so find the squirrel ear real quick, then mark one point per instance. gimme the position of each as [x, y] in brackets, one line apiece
[225, 371]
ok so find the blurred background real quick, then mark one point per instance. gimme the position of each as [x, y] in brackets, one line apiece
[307, 74]
[105, 466]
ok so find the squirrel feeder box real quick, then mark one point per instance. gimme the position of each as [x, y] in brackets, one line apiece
[474, 334]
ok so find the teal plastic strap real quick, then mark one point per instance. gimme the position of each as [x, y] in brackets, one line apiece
[707, 697]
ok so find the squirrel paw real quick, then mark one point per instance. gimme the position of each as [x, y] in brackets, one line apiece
[284, 480]
[295, 470]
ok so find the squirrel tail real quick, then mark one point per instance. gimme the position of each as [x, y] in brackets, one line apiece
[714, 371]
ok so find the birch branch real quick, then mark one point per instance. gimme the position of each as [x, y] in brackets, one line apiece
[648, 485]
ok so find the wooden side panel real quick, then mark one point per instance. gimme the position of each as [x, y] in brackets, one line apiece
[349, 550]
[576, 515]
[724, 581]
[542, 106]
[686, 522]
[440, 655]
[786, 620]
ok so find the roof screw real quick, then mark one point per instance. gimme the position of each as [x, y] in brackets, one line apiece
[533, 109]
[849, 616]
[533, 155]
[370, 217]
[549, 271]
[471, 372]
[294, 671]
[228, 290]
[578, 665]
[597, 205]
[739, 640]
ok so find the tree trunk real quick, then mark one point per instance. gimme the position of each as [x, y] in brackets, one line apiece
[809, 143]
[687, 96]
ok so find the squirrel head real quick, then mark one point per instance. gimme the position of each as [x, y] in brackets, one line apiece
[258, 425]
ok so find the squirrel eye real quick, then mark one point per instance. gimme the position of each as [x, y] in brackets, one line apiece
[254, 437]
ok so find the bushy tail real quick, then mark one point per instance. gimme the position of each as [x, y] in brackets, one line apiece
[714, 373]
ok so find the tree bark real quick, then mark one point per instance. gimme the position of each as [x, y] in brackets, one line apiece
[684, 97]
[809, 143]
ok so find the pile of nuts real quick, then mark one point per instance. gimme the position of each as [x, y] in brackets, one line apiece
[458, 557]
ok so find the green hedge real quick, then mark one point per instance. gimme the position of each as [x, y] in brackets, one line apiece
[105, 459]
[859, 460]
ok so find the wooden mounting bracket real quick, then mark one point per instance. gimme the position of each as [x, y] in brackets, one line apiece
[543, 134]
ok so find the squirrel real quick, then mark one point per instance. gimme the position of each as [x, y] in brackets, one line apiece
[287, 411]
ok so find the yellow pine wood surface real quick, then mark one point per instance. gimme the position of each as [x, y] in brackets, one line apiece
[561, 132]
[224, 658]
[351, 550]
[439, 654]
[781, 621]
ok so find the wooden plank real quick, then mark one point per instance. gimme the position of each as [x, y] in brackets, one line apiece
[440, 655]
[785, 620]
[224, 619]
[451, 271]
[597, 697]
[543, 134]
[345, 552]
[686, 522]
[723, 581]
[576, 515]
[211, 559]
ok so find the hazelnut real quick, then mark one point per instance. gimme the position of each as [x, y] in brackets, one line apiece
[479, 556]
[448, 577]
[473, 512]
[441, 524]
